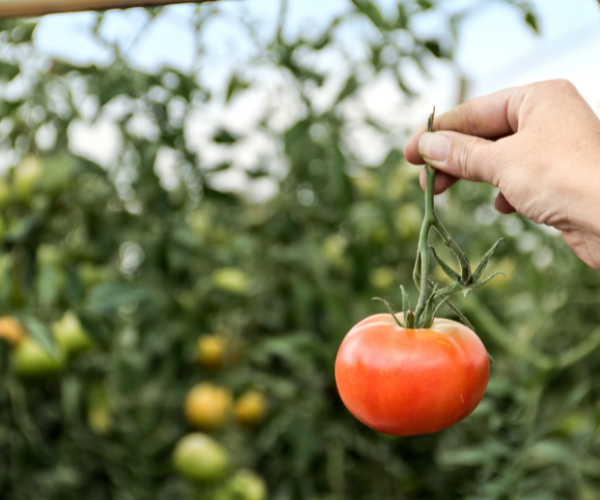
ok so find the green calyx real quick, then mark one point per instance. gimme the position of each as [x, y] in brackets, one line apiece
[431, 298]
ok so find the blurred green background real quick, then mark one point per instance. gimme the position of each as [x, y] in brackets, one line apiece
[145, 261]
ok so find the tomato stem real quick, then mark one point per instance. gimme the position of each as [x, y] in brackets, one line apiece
[430, 297]
[428, 221]
[466, 281]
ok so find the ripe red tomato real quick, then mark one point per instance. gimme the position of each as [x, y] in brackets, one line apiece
[408, 382]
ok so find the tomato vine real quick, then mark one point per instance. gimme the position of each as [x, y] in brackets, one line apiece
[430, 297]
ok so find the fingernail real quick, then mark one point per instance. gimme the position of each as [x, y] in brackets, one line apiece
[434, 147]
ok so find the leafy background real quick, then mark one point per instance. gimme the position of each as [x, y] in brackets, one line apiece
[140, 260]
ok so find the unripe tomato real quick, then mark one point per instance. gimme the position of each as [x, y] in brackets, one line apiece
[250, 408]
[11, 330]
[30, 359]
[199, 458]
[27, 175]
[200, 222]
[231, 279]
[245, 485]
[382, 278]
[408, 382]
[333, 249]
[70, 335]
[99, 411]
[210, 351]
[207, 406]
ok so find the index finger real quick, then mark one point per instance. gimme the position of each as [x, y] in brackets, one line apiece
[491, 116]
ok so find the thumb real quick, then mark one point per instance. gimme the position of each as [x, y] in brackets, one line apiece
[460, 155]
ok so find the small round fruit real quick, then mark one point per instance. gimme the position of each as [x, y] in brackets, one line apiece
[11, 330]
[207, 406]
[27, 175]
[30, 359]
[246, 485]
[250, 408]
[199, 458]
[210, 351]
[70, 335]
[408, 382]
[231, 279]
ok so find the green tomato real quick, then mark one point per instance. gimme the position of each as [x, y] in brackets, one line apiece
[333, 249]
[200, 458]
[27, 175]
[200, 222]
[246, 485]
[231, 279]
[30, 359]
[382, 278]
[70, 335]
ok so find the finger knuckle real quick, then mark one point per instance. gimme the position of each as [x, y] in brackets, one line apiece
[559, 85]
[461, 158]
[467, 117]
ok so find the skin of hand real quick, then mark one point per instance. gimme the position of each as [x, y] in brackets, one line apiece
[539, 144]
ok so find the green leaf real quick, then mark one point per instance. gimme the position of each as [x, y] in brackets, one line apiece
[349, 88]
[108, 296]
[93, 324]
[433, 46]
[8, 71]
[223, 136]
[38, 331]
[425, 4]
[531, 20]
[371, 11]
[236, 84]
[454, 276]
[390, 310]
[484, 261]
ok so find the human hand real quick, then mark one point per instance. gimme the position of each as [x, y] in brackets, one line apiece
[540, 144]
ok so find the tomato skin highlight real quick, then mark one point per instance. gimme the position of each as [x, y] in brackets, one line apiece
[407, 382]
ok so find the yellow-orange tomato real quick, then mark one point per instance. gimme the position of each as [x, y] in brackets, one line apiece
[250, 408]
[11, 330]
[210, 351]
[407, 382]
[207, 406]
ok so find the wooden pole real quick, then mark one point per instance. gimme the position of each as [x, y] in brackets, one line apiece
[25, 8]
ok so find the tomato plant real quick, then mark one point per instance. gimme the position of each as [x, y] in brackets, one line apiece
[407, 382]
[410, 373]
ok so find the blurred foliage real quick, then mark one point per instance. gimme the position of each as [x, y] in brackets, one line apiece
[147, 270]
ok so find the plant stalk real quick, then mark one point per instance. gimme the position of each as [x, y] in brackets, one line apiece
[428, 221]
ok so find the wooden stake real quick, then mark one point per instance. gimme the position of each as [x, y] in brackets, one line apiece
[26, 8]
